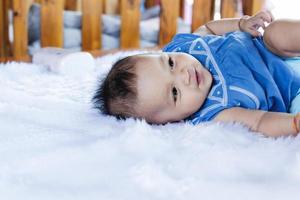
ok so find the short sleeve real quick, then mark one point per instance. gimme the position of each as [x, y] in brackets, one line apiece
[206, 114]
[180, 43]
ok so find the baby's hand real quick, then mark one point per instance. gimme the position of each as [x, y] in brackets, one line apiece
[252, 24]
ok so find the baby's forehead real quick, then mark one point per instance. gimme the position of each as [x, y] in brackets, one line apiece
[150, 78]
[150, 55]
[147, 59]
[155, 55]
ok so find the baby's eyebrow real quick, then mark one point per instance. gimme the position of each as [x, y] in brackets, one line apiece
[170, 101]
[169, 98]
[161, 60]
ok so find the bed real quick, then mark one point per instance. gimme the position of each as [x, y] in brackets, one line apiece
[55, 145]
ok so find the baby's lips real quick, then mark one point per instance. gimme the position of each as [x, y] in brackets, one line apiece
[199, 77]
[192, 76]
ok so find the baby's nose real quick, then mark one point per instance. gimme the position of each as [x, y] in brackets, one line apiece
[184, 76]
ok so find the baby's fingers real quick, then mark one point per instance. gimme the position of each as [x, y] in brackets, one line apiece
[254, 32]
[257, 23]
[265, 16]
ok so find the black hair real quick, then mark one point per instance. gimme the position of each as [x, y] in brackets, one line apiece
[117, 93]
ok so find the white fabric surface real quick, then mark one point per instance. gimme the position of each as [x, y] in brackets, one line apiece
[54, 145]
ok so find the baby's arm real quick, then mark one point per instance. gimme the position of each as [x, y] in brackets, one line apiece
[218, 27]
[282, 37]
[246, 24]
[273, 124]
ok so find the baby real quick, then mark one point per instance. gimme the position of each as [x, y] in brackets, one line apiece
[225, 71]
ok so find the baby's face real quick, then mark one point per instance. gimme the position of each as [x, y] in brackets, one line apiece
[170, 86]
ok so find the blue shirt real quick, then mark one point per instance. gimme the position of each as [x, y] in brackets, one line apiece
[245, 73]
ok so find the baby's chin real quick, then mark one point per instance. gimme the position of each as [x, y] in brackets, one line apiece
[183, 117]
[163, 121]
[176, 117]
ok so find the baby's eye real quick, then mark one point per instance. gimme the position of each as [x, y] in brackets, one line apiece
[171, 62]
[174, 93]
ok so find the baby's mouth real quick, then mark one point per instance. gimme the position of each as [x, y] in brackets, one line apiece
[198, 77]
[195, 77]
[196, 74]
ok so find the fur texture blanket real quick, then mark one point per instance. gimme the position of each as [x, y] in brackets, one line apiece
[54, 145]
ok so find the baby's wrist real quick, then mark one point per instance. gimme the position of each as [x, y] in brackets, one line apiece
[296, 123]
[241, 22]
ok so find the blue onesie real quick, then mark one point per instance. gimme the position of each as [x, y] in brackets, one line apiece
[245, 73]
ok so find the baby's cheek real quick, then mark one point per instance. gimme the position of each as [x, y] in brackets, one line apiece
[191, 106]
[198, 102]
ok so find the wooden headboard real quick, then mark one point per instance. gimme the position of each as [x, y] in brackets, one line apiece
[52, 21]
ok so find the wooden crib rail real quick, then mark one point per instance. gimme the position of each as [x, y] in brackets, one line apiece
[130, 18]
[91, 28]
[52, 22]
[4, 38]
[168, 20]
[20, 22]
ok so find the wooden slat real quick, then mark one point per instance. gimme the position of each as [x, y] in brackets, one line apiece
[52, 23]
[111, 6]
[168, 20]
[250, 7]
[150, 3]
[130, 31]
[202, 12]
[8, 5]
[20, 44]
[181, 8]
[3, 29]
[228, 8]
[91, 26]
[71, 4]
[26, 58]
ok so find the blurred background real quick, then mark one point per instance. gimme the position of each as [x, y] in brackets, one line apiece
[149, 24]
[279, 8]
[284, 8]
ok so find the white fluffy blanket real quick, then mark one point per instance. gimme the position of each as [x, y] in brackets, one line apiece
[54, 145]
